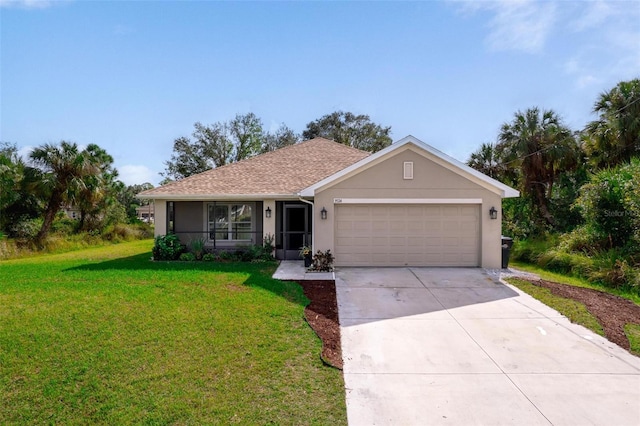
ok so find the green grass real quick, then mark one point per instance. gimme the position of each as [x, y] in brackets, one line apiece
[574, 281]
[576, 312]
[105, 336]
[633, 334]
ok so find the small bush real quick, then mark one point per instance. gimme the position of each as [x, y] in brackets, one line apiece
[610, 204]
[227, 255]
[268, 245]
[124, 232]
[64, 226]
[187, 257]
[209, 257]
[167, 247]
[530, 250]
[580, 240]
[196, 246]
[25, 228]
[614, 271]
[566, 263]
[323, 262]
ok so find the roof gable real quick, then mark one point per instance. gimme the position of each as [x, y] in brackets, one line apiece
[429, 152]
[283, 172]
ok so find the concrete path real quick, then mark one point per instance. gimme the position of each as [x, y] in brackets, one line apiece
[294, 270]
[432, 346]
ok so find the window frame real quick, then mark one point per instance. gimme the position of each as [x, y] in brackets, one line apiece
[230, 230]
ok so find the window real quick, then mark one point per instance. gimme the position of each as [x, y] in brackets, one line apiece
[230, 222]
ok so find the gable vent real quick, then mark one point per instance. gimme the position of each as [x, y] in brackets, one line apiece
[408, 169]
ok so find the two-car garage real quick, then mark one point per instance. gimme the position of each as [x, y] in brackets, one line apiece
[416, 234]
[409, 205]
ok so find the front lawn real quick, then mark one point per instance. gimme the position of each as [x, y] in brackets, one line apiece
[106, 336]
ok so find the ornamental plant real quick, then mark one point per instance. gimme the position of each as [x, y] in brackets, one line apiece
[167, 247]
[305, 251]
[323, 261]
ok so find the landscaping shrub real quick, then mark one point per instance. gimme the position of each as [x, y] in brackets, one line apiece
[126, 232]
[25, 228]
[581, 240]
[610, 204]
[530, 250]
[196, 246]
[167, 247]
[187, 257]
[226, 255]
[268, 245]
[209, 257]
[323, 261]
[566, 263]
[612, 270]
[64, 226]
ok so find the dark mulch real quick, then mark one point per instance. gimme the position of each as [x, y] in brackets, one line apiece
[613, 312]
[322, 316]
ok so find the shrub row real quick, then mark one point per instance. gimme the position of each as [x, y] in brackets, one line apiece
[615, 267]
[169, 247]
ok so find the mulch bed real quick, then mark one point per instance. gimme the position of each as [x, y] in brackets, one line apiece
[612, 312]
[322, 316]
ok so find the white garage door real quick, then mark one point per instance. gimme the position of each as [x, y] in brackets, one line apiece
[407, 235]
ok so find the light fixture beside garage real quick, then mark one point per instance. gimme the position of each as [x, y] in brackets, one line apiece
[323, 213]
[267, 212]
[493, 213]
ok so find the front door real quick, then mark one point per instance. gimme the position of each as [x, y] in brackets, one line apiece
[296, 230]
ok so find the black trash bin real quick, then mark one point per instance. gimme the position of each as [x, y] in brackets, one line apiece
[507, 243]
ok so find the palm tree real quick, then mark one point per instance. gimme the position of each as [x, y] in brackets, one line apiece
[99, 190]
[541, 146]
[64, 171]
[487, 160]
[614, 137]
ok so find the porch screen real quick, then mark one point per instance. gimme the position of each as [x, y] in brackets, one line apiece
[230, 222]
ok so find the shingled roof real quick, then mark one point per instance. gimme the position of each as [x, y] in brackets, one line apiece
[282, 172]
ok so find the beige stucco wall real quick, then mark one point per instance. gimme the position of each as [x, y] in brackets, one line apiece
[385, 181]
[268, 224]
[160, 224]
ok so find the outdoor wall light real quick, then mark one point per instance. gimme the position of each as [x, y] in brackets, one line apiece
[267, 212]
[493, 213]
[323, 213]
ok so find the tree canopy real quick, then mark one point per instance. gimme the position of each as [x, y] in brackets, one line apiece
[221, 143]
[68, 175]
[615, 136]
[357, 131]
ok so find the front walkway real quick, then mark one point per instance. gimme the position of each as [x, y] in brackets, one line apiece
[434, 346]
[294, 270]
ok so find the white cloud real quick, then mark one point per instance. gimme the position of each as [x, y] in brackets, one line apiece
[26, 4]
[610, 42]
[595, 13]
[132, 174]
[521, 25]
[586, 80]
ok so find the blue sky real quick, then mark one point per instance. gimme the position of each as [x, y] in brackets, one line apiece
[133, 76]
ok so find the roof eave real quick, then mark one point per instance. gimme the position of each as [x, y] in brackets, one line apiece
[216, 197]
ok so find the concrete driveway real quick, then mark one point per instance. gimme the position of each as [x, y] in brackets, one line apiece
[431, 346]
